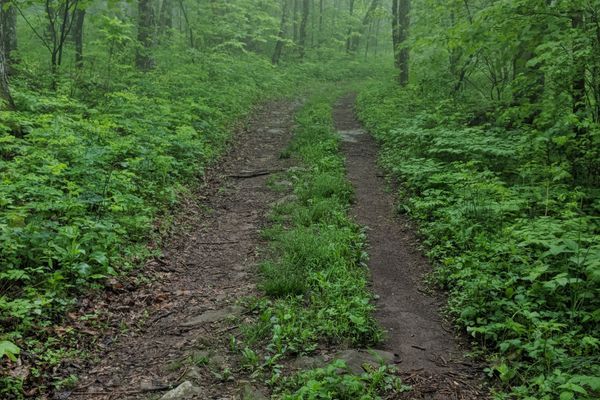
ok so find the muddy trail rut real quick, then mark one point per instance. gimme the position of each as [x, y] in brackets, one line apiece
[431, 357]
[203, 272]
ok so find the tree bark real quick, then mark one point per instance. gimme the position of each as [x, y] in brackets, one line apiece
[320, 21]
[281, 36]
[578, 91]
[350, 30]
[8, 20]
[143, 58]
[295, 21]
[354, 40]
[303, 24]
[4, 88]
[166, 17]
[79, 18]
[400, 30]
[60, 22]
[187, 22]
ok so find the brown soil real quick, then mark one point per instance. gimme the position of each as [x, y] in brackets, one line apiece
[432, 357]
[210, 265]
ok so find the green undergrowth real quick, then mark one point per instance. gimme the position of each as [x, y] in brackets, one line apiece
[90, 173]
[315, 276]
[514, 240]
[335, 382]
[87, 178]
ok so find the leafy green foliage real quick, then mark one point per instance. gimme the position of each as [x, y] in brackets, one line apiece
[9, 350]
[514, 241]
[336, 382]
[83, 184]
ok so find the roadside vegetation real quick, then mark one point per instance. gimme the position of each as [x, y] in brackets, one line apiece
[83, 184]
[492, 130]
[514, 238]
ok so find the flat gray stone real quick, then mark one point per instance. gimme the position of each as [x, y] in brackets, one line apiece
[217, 361]
[290, 198]
[184, 391]
[351, 135]
[214, 316]
[355, 359]
[284, 183]
[249, 392]
[305, 362]
[194, 374]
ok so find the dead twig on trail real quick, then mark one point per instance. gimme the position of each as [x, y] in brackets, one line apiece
[219, 243]
[230, 328]
[124, 392]
[185, 370]
[254, 174]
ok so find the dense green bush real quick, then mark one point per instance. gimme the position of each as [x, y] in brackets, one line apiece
[514, 240]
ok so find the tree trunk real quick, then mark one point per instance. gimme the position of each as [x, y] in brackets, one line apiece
[143, 58]
[187, 22]
[578, 91]
[281, 36]
[79, 18]
[166, 17]
[295, 21]
[4, 89]
[320, 21]
[8, 20]
[368, 40]
[395, 30]
[303, 24]
[377, 28]
[350, 30]
[400, 29]
[354, 41]
[60, 22]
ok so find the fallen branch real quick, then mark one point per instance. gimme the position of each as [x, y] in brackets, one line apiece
[253, 174]
[230, 328]
[124, 392]
[219, 243]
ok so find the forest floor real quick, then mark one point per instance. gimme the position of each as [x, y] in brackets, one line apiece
[205, 269]
[166, 331]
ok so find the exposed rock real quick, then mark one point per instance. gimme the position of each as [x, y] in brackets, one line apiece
[149, 385]
[290, 198]
[214, 316]
[249, 392]
[194, 374]
[355, 359]
[284, 183]
[350, 135]
[217, 362]
[183, 392]
[305, 362]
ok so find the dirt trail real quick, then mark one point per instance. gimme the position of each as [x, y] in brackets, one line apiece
[204, 271]
[431, 356]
